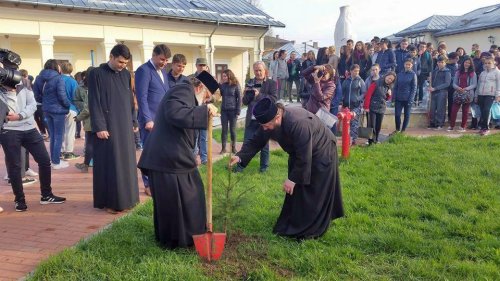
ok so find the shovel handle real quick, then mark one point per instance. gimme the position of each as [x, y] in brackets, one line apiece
[209, 174]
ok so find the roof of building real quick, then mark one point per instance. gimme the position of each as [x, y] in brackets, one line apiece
[237, 12]
[289, 48]
[482, 18]
[430, 24]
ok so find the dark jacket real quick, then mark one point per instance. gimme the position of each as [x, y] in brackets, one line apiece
[364, 65]
[268, 90]
[293, 69]
[50, 91]
[387, 61]
[401, 56]
[425, 63]
[321, 93]
[231, 97]
[453, 67]
[169, 146]
[379, 97]
[441, 80]
[172, 81]
[353, 92]
[405, 86]
[337, 98]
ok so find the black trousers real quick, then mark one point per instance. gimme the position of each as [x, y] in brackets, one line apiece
[228, 117]
[485, 103]
[376, 123]
[12, 141]
[39, 119]
[89, 147]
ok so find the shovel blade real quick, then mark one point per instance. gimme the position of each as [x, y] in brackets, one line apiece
[210, 245]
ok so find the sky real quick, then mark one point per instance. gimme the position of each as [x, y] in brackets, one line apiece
[315, 19]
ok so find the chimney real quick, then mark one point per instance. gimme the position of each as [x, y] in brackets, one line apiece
[315, 45]
[277, 36]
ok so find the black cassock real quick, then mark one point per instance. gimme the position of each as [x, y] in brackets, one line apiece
[168, 160]
[111, 109]
[312, 165]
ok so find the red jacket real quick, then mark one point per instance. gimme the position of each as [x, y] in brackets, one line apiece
[368, 96]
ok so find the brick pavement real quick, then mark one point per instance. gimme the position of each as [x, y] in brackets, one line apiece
[27, 238]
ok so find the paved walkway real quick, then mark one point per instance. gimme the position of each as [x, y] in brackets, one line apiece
[29, 237]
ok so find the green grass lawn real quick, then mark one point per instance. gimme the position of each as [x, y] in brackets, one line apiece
[416, 209]
[217, 133]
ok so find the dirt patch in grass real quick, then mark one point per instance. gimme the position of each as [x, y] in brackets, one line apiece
[243, 256]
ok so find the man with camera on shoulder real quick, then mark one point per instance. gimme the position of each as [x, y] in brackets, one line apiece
[19, 130]
[256, 89]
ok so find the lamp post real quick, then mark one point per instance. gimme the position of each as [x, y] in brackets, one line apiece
[491, 39]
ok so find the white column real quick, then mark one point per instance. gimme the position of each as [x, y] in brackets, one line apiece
[147, 50]
[107, 46]
[245, 62]
[5, 43]
[47, 48]
[209, 54]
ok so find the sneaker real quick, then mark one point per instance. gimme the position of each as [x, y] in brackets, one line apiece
[82, 167]
[461, 129]
[52, 199]
[70, 156]
[438, 128]
[31, 173]
[61, 165]
[262, 170]
[1, 209]
[486, 132]
[450, 129]
[26, 181]
[21, 206]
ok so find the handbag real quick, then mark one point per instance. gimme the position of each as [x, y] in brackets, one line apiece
[495, 110]
[327, 118]
[364, 132]
[462, 98]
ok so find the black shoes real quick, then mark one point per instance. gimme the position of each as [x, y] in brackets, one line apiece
[21, 206]
[52, 199]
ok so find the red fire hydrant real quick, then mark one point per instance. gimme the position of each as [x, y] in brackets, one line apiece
[345, 117]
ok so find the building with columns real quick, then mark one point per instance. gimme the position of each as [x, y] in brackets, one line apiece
[229, 33]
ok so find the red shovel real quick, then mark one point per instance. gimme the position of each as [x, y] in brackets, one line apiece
[209, 245]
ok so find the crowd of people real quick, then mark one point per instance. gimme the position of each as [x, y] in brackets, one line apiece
[165, 113]
[450, 80]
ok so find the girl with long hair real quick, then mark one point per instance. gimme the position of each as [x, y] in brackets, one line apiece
[230, 108]
[464, 83]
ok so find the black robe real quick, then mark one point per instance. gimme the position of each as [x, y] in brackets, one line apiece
[111, 109]
[168, 160]
[312, 165]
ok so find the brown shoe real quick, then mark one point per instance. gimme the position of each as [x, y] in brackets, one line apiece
[147, 190]
[112, 211]
[223, 151]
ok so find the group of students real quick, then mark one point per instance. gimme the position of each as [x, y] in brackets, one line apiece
[407, 72]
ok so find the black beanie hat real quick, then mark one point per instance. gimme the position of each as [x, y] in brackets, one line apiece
[265, 110]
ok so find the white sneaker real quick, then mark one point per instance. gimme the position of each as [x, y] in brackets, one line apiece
[6, 178]
[461, 129]
[449, 129]
[31, 173]
[1, 209]
[61, 165]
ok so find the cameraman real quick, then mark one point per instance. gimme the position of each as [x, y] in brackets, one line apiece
[256, 89]
[19, 130]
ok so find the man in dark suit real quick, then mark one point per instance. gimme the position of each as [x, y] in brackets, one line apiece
[151, 84]
[261, 87]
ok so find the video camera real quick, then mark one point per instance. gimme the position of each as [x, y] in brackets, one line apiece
[9, 74]
[251, 87]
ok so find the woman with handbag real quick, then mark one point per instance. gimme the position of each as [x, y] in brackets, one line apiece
[378, 103]
[464, 83]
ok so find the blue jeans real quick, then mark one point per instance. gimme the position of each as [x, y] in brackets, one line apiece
[201, 145]
[250, 130]
[55, 122]
[399, 106]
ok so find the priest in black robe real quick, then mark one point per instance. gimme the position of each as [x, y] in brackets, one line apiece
[113, 122]
[168, 160]
[313, 195]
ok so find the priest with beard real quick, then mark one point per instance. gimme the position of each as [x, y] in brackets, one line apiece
[313, 195]
[168, 160]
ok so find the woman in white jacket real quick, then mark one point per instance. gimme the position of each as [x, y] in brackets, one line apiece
[487, 90]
